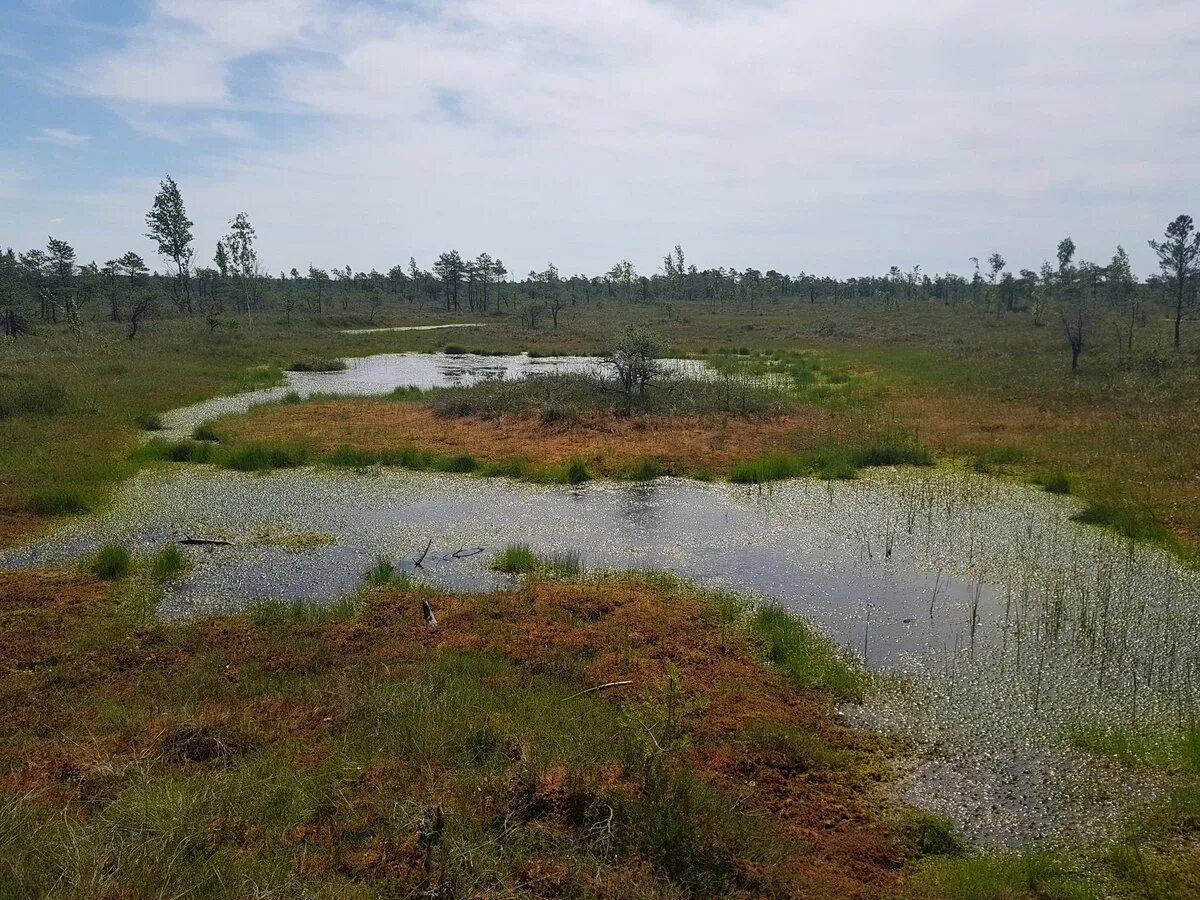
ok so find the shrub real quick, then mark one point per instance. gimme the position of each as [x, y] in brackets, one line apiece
[59, 501]
[168, 562]
[112, 562]
[515, 559]
[455, 350]
[149, 421]
[318, 364]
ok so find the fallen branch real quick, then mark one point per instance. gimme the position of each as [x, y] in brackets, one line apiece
[464, 553]
[598, 687]
[424, 553]
[204, 542]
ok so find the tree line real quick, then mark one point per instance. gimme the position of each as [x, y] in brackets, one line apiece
[51, 286]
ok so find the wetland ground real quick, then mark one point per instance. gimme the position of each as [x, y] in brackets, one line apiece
[1032, 681]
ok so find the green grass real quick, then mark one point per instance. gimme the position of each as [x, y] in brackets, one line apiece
[830, 462]
[60, 501]
[318, 364]
[1017, 876]
[576, 472]
[929, 834]
[1125, 521]
[206, 431]
[1055, 482]
[168, 563]
[112, 562]
[516, 559]
[806, 656]
[263, 457]
[265, 613]
[802, 748]
[381, 573]
[149, 421]
[31, 397]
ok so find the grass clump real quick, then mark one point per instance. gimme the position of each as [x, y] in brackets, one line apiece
[1055, 482]
[318, 364]
[829, 463]
[112, 562]
[577, 472]
[929, 834]
[516, 559]
[263, 457]
[205, 431]
[352, 457]
[167, 563]
[381, 573]
[149, 421]
[265, 613]
[59, 501]
[808, 658]
[31, 397]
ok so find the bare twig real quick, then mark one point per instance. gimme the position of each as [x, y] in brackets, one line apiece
[598, 687]
[424, 553]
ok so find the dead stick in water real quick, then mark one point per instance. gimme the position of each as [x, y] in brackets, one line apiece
[598, 687]
[425, 552]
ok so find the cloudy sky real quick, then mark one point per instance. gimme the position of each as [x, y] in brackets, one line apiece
[836, 137]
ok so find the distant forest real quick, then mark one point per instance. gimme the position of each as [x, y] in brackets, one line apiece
[50, 285]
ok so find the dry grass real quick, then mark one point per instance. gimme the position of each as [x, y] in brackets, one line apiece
[606, 441]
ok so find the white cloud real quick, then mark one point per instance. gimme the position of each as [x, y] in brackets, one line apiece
[824, 135]
[60, 136]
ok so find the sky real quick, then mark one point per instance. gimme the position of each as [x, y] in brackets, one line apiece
[833, 137]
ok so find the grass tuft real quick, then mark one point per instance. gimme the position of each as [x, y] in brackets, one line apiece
[516, 559]
[149, 421]
[205, 431]
[112, 562]
[168, 562]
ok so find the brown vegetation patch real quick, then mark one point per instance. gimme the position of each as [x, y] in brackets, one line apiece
[603, 439]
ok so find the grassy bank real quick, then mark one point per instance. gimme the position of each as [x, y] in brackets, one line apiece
[358, 752]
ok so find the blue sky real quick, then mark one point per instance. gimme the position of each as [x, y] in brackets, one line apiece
[792, 134]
